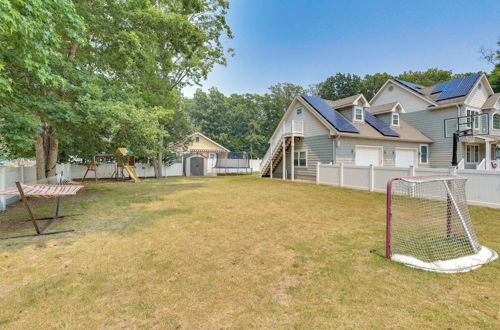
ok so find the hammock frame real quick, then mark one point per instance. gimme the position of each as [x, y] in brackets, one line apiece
[41, 230]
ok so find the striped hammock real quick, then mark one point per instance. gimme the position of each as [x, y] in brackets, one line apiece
[43, 190]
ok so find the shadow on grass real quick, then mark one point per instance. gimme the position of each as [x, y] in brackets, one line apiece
[114, 207]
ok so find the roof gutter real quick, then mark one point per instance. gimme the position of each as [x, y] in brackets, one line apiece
[457, 104]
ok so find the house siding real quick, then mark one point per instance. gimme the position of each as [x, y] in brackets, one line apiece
[431, 124]
[316, 142]
[409, 102]
[347, 113]
[477, 96]
[346, 152]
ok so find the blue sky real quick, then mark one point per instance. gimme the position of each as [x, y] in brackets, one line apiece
[305, 41]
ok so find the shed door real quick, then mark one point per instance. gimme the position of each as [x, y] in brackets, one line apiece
[196, 164]
[406, 157]
[368, 156]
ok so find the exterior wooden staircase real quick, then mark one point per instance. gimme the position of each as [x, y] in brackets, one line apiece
[276, 157]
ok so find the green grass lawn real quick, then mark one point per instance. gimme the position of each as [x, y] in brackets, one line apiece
[230, 252]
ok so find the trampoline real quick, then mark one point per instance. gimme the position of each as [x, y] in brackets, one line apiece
[232, 163]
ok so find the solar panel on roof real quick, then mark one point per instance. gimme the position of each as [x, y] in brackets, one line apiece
[331, 115]
[440, 87]
[410, 85]
[379, 125]
[458, 87]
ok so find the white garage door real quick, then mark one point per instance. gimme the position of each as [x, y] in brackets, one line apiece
[406, 157]
[367, 156]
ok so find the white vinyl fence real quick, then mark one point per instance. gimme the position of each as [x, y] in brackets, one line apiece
[27, 174]
[482, 188]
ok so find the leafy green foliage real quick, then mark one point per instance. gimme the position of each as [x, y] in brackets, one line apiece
[343, 85]
[241, 122]
[494, 76]
[104, 73]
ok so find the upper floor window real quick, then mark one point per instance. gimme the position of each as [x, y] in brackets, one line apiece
[395, 119]
[496, 121]
[299, 111]
[358, 114]
[197, 139]
[473, 118]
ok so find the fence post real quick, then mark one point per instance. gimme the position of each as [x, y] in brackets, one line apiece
[341, 175]
[317, 172]
[370, 176]
[21, 173]
[411, 171]
[2, 187]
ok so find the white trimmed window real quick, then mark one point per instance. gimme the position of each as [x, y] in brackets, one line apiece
[496, 121]
[358, 114]
[424, 153]
[197, 139]
[211, 155]
[472, 153]
[300, 158]
[471, 113]
[395, 119]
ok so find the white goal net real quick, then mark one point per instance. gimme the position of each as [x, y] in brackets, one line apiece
[429, 225]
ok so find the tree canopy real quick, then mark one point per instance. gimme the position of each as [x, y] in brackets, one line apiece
[84, 76]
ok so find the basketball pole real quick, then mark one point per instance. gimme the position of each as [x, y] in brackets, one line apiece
[454, 161]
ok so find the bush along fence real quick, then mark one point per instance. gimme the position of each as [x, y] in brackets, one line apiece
[482, 188]
[27, 174]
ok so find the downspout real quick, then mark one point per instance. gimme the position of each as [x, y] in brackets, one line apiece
[335, 141]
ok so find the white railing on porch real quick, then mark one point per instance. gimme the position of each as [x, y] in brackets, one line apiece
[295, 127]
[481, 165]
[493, 165]
[461, 164]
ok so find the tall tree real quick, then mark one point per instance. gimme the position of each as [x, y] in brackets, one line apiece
[494, 76]
[339, 86]
[371, 83]
[137, 56]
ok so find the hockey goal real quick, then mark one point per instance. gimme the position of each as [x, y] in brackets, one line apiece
[429, 226]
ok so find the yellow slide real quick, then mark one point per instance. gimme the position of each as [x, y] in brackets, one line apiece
[131, 173]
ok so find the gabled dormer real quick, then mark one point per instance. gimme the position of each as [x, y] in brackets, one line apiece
[389, 113]
[352, 107]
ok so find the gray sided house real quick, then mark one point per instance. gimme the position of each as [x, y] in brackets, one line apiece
[348, 131]
[426, 108]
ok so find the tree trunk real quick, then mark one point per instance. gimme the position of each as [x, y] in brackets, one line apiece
[46, 149]
[156, 167]
[40, 158]
[160, 159]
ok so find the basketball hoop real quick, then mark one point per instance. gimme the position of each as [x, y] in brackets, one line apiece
[464, 129]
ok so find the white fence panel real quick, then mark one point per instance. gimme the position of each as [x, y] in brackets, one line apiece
[482, 188]
[382, 174]
[255, 164]
[329, 174]
[357, 177]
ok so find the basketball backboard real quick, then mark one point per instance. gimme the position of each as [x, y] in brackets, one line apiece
[477, 124]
